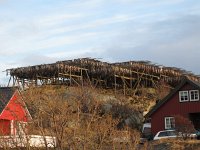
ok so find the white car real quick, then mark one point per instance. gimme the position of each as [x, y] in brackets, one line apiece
[165, 134]
[173, 134]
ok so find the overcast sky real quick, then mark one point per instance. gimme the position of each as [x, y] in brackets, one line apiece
[166, 32]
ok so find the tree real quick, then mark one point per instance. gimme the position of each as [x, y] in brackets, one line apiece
[74, 116]
[183, 126]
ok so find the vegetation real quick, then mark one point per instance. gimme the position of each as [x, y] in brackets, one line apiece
[87, 118]
[80, 119]
[184, 127]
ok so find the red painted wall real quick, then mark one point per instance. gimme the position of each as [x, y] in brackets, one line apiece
[5, 127]
[173, 107]
[14, 110]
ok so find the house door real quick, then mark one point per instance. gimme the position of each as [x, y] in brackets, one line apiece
[195, 118]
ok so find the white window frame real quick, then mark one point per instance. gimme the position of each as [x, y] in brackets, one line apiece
[191, 95]
[170, 124]
[180, 95]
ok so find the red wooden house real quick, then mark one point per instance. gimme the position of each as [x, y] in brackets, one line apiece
[184, 100]
[13, 112]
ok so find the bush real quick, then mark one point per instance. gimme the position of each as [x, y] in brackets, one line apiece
[184, 126]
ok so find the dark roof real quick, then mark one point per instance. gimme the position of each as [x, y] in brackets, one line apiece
[6, 94]
[160, 103]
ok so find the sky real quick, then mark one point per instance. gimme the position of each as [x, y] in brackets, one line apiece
[165, 32]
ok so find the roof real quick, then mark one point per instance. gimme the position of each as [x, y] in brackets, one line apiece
[6, 94]
[160, 103]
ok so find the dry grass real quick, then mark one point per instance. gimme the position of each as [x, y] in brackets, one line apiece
[175, 144]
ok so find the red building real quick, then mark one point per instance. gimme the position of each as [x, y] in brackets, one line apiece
[183, 100]
[13, 112]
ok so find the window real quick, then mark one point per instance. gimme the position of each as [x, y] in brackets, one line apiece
[167, 133]
[194, 95]
[171, 133]
[169, 123]
[183, 96]
[162, 134]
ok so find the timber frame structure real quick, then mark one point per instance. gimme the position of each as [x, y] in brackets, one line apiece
[123, 75]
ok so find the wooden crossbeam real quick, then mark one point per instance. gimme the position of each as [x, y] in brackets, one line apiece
[125, 77]
[66, 74]
[142, 73]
